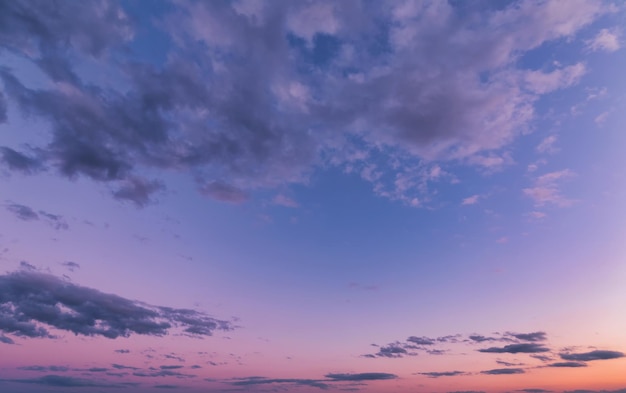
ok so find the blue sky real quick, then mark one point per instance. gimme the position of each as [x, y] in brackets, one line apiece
[372, 196]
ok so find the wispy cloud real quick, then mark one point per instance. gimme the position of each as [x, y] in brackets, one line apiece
[546, 191]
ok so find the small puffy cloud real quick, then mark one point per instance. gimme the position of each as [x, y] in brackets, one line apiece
[534, 336]
[471, 200]
[283, 200]
[547, 145]
[606, 40]
[541, 83]
[504, 371]
[517, 348]
[546, 189]
[593, 355]
[225, 192]
[71, 266]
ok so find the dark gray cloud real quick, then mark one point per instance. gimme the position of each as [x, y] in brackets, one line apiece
[421, 340]
[20, 162]
[437, 374]
[504, 371]
[69, 382]
[170, 367]
[32, 302]
[137, 190]
[479, 338]
[361, 377]
[392, 351]
[567, 364]
[162, 373]
[251, 107]
[534, 336]
[534, 390]
[22, 212]
[123, 367]
[71, 266]
[264, 381]
[517, 348]
[593, 355]
[45, 368]
[166, 386]
[26, 213]
[122, 350]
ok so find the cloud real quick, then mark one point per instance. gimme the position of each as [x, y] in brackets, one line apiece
[22, 212]
[435, 87]
[26, 213]
[137, 190]
[606, 40]
[437, 374]
[20, 162]
[567, 364]
[263, 381]
[517, 348]
[533, 337]
[361, 377]
[504, 371]
[534, 390]
[31, 303]
[69, 382]
[122, 351]
[593, 355]
[479, 338]
[283, 200]
[71, 266]
[547, 145]
[546, 189]
[45, 368]
[471, 200]
[392, 351]
[541, 83]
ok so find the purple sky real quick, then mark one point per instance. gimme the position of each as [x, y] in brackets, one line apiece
[374, 196]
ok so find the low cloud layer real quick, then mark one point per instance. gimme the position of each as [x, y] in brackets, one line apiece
[32, 303]
[593, 355]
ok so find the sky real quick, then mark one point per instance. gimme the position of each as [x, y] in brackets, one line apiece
[311, 196]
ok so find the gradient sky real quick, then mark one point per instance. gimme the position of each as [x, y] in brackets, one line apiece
[312, 196]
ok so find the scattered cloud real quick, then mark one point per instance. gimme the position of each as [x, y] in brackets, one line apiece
[359, 377]
[32, 302]
[606, 40]
[517, 348]
[504, 371]
[545, 190]
[68, 382]
[283, 200]
[438, 374]
[593, 355]
[71, 266]
[471, 200]
[567, 364]
[533, 337]
[547, 145]
[25, 213]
